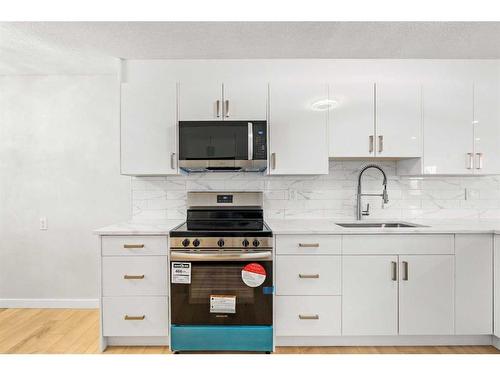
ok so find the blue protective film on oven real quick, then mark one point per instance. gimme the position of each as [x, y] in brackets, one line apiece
[268, 290]
[222, 338]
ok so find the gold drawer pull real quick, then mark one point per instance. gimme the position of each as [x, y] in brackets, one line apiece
[305, 276]
[133, 277]
[309, 317]
[132, 246]
[308, 244]
[132, 317]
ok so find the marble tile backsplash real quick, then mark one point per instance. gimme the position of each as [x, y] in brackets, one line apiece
[328, 196]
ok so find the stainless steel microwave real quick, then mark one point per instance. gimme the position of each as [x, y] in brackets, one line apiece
[223, 146]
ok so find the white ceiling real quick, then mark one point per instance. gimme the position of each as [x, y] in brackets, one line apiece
[92, 47]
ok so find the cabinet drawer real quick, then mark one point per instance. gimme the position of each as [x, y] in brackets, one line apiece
[308, 244]
[134, 276]
[135, 316]
[308, 275]
[308, 316]
[394, 244]
[134, 245]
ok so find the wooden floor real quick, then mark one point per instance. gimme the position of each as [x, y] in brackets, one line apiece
[25, 331]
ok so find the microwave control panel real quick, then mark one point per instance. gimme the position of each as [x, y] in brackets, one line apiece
[259, 141]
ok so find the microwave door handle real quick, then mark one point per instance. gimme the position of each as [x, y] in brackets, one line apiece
[250, 141]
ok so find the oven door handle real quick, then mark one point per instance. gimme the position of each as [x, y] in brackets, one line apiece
[180, 256]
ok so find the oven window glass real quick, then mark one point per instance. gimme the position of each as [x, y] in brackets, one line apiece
[208, 280]
[202, 140]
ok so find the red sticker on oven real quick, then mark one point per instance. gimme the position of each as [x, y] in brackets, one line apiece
[253, 275]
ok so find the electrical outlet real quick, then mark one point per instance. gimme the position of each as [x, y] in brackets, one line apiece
[43, 223]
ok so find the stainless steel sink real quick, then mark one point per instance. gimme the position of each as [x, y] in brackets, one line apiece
[391, 224]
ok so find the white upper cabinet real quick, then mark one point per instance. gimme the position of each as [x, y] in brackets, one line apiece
[376, 120]
[298, 129]
[486, 127]
[233, 100]
[245, 100]
[148, 128]
[448, 132]
[352, 122]
[398, 120]
[200, 101]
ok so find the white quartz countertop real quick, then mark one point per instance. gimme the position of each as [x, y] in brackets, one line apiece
[317, 226]
[139, 228]
[329, 226]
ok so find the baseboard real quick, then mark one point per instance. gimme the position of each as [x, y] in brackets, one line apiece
[38, 303]
[385, 340]
[137, 341]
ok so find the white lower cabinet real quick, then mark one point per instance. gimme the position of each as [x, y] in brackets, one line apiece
[134, 290]
[384, 285]
[497, 286]
[308, 275]
[369, 295]
[474, 284]
[135, 316]
[133, 276]
[426, 295]
[308, 316]
[405, 295]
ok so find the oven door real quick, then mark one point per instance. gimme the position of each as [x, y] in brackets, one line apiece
[225, 292]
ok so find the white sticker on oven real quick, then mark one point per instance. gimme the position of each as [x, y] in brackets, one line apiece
[253, 275]
[181, 273]
[222, 304]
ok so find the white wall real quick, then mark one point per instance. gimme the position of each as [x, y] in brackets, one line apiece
[59, 158]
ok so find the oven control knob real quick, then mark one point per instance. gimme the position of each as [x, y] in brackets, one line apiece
[185, 242]
[196, 243]
[256, 243]
[220, 242]
[245, 243]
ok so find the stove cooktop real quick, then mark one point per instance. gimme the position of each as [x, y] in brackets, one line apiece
[222, 229]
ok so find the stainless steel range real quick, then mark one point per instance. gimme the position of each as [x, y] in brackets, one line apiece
[222, 275]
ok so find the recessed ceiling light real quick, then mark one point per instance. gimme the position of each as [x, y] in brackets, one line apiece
[324, 105]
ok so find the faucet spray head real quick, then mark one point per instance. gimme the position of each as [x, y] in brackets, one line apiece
[385, 197]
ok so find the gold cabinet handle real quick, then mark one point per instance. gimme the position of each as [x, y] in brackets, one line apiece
[479, 160]
[172, 160]
[309, 317]
[133, 277]
[308, 244]
[133, 246]
[394, 271]
[470, 163]
[306, 276]
[132, 317]
[405, 269]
